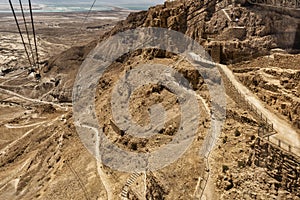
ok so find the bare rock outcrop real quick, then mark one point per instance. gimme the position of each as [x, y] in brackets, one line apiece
[233, 33]
[248, 30]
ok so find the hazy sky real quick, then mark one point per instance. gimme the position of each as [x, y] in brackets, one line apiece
[90, 1]
[136, 1]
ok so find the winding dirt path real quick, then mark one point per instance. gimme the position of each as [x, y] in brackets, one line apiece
[61, 106]
[285, 132]
[49, 123]
[106, 183]
[13, 126]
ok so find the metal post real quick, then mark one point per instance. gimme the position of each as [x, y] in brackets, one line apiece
[272, 127]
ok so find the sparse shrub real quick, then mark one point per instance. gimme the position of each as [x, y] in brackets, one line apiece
[237, 133]
[225, 168]
[134, 146]
[225, 139]
[241, 163]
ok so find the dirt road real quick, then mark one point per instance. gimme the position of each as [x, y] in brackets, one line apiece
[285, 132]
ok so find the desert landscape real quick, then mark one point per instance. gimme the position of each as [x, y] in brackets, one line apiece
[254, 48]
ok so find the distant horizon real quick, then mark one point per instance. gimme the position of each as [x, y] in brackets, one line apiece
[79, 5]
[116, 2]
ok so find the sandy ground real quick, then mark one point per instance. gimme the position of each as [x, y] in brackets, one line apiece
[21, 115]
[55, 32]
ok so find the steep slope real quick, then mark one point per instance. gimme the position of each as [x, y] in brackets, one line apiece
[50, 162]
[230, 33]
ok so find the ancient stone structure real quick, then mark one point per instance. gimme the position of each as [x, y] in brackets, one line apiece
[280, 3]
[280, 165]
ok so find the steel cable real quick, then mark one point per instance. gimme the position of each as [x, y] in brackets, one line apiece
[85, 19]
[26, 28]
[34, 35]
[20, 32]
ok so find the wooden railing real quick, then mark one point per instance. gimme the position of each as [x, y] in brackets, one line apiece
[266, 128]
[279, 143]
[264, 123]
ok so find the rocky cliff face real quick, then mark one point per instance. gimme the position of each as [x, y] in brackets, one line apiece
[230, 33]
[242, 31]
